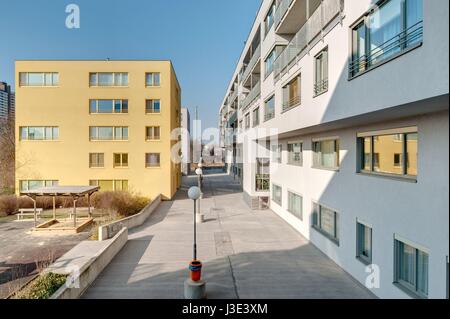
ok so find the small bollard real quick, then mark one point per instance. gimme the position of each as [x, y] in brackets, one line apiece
[194, 289]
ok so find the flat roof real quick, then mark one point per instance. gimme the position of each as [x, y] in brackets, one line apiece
[61, 191]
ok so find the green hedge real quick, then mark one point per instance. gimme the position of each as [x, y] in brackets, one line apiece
[43, 287]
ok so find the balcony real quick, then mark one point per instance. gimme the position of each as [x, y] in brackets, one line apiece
[319, 20]
[320, 87]
[405, 40]
[262, 182]
[281, 11]
[233, 96]
[252, 96]
[251, 65]
[292, 102]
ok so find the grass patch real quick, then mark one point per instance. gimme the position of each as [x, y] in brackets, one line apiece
[43, 287]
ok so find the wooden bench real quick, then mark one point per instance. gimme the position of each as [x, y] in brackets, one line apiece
[23, 212]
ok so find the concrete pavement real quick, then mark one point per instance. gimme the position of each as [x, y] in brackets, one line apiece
[246, 254]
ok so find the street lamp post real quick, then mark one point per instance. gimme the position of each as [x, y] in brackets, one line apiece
[194, 287]
[199, 173]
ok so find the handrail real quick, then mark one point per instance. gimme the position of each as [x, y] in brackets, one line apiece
[400, 42]
[254, 59]
[253, 95]
[293, 101]
[318, 21]
[281, 10]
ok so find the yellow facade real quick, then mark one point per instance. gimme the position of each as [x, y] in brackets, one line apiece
[66, 106]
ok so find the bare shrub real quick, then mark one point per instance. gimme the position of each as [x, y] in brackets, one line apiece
[8, 205]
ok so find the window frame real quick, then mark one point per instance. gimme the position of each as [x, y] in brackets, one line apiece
[45, 183]
[44, 133]
[280, 201]
[364, 21]
[152, 102]
[300, 215]
[114, 82]
[152, 137]
[122, 163]
[44, 79]
[404, 161]
[113, 110]
[91, 162]
[337, 158]
[322, 87]
[335, 238]
[152, 166]
[289, 162]
[272, 113]
[360, 244]
[152, 84]
[115, 137]
[411, 289]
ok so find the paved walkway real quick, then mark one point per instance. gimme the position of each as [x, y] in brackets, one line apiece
[246, 254]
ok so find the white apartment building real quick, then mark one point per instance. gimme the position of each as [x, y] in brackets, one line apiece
[342, 117]
[185, 141]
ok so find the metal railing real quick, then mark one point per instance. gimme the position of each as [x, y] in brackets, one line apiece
[256, 56]
[321, 86]
[233, 96]
[402, 41]
[281, 11]
[269, 114]
[293, 101]
[318, 21]
[262, 182]
[252, 96]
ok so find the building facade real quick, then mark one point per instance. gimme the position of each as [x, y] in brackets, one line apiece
[186, 141]
[343, 127]
[105, 123]
[7, 102]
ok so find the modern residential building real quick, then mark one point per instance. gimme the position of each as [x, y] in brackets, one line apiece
[7, 101]
[105, 123]
[343, 119]
[186, 141]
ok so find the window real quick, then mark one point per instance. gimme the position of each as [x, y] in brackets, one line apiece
[152, 160]
[39, 133]
[277, 194]
[269, 62]
[364, 242]
[108, 133]
[256, 117]
[268, 22]
[295, 205]
[108, 79]
[321, 72]
[276, 153]
[247, 121]
[411, 268]
[108, 106]
[96, 160]
[152, 106]
[262, 174]
[38, 79]
[153, 79]
[392, 152]
[326, 221]
[291, 93]
[28, 185]
[394, 26]
[326, 154]
[120, 160]
[295, 153]
[269, 108]
[152, 133]
[110, 185]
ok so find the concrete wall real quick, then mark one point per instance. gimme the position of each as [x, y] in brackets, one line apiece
[110, 230]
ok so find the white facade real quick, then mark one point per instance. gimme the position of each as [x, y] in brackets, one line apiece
[407, 88]
[185, 141]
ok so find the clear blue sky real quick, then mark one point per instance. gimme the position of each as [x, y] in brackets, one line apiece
[203, 38]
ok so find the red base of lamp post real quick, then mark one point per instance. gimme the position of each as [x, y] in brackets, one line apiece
[195, 268]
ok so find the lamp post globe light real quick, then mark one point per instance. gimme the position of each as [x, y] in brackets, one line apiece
[194, 287]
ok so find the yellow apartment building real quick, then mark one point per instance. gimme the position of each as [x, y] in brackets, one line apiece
[105, 123]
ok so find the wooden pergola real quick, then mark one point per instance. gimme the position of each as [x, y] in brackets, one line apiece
[75, 192]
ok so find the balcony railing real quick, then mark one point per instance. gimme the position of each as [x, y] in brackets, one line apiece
[321, 87]
[318, 21]
[233, 96]
[262, 182]
[293, 101]
[401, 42]
[269, 114]
[256, 56]
[252, 96]
[281, 11]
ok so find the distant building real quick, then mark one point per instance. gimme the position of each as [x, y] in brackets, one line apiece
[186, 141]
[7, 101]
